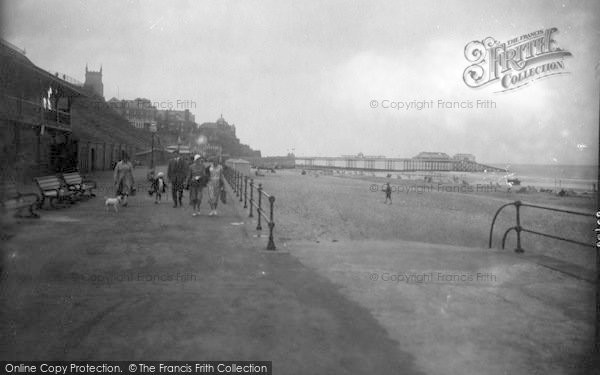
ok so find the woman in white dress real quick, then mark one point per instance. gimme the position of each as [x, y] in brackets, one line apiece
[215, 184]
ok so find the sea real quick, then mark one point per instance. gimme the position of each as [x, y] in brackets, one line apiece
[556, 177]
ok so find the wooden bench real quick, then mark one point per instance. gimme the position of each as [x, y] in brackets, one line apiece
[12, 199]
[78, 184]
[53, 189]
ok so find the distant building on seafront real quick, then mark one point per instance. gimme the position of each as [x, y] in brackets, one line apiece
[432, 156]
[140, 112]
[221, 133]
[93, 81]
[176, 121]
[360, 155]
[424, 161]
[467, 157]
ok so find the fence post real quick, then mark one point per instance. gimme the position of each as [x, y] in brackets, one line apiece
[259, 209]
[245, 191]
[271, 244]
[518, 249]
[241, 187]
[251, 197]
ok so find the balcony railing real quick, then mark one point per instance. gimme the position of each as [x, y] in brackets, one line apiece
[25, 111]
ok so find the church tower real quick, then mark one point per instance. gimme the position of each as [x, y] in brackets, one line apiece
[93, 81]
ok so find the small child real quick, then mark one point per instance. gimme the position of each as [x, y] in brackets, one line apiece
[159, 187]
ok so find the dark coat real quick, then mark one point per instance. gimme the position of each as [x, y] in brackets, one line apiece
[156, 186]
[177, 170]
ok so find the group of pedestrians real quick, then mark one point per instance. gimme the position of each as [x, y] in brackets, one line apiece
[182, 175]
[195, 177]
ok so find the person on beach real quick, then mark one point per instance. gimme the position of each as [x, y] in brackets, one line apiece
[196, 180]
[176, 174]
[123, 178]
[388, 193]
[215, 184]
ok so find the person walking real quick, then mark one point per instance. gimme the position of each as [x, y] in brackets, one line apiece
[215, 184]
[176, 174]
[159, 187]
[196, 180]
[123, 178]
[388, 193]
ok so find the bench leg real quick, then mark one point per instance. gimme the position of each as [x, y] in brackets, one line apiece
[50, 204]
[32, 213]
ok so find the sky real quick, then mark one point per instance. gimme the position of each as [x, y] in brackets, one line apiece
[304, 75]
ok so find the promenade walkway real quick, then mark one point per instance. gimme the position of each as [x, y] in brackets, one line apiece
[154, 283]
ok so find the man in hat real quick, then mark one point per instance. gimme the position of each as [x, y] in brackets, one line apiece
[176, 173]
[196, 180]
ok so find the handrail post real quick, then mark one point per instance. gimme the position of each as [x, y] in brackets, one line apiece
[518, 228]
[241, 187]
[245, 191]
[271, 244]
[251, 197]
[235, 183]
[259, 209]
[494, 221]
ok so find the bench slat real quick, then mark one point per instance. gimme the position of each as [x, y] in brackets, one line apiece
[48, 182]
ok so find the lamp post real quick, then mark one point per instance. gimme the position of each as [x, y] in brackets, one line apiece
[152, 131]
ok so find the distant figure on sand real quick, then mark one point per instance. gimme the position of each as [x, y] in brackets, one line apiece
[388, 193]
[123, 178]
[176, 173]
[215, 184]
[196, 180]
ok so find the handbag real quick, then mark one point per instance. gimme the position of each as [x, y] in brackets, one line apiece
[223, 195]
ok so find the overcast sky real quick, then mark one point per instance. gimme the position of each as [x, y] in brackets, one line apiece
[302, 74]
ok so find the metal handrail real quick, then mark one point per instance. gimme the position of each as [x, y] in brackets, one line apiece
[239, 183]
[518, 228]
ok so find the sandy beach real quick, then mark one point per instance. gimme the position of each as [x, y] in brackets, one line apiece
[321, 206]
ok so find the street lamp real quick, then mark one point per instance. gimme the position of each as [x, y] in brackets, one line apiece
[153, 131]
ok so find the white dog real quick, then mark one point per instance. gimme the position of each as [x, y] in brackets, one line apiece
[114, 202]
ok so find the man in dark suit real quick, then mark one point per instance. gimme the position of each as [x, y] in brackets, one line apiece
[177, 173]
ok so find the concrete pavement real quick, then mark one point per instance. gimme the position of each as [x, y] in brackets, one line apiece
[461, 310]
[154, 283]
